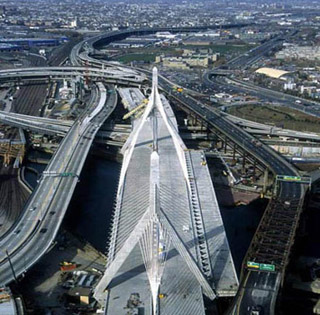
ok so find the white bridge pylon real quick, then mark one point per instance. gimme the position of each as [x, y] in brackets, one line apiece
[153, 232]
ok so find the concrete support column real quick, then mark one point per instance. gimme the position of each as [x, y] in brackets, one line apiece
[265, 180]
[225, 144]
[244, 162]
[195, 120]
[234, 152]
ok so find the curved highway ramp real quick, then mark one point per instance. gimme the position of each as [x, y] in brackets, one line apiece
[34, 233]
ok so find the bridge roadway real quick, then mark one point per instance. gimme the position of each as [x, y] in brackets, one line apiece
[258, 288]
[38, 124]
[263, 129]
[175, 185]
[111, 75]
[253, 55]
[294, 102]
[36, 229]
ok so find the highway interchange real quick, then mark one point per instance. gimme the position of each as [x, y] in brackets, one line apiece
[257, 288]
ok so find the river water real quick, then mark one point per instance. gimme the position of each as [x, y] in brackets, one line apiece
[92, 203]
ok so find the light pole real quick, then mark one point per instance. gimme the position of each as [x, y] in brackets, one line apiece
[11, 266]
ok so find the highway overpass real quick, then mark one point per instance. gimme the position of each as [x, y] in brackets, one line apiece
[37, 124]
[110, 75]
[264, 129]
[35, 231]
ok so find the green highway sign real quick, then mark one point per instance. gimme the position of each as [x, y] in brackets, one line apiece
[290, 178]
[252, 264]
[267, 267]
[294, 178]
[297, 179]
[262, 267]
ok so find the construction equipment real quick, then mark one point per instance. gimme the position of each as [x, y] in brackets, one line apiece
[136, 110]
[66, 266]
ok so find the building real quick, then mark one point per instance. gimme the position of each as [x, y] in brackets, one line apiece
[175, 63]
[32, 42]
[187, 61]
[73, 23]
[299, 52]
[272, 73]
[9, 47]
[166, 35]
[198, 41]
[8, 304]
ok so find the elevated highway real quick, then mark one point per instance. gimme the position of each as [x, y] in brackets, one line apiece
[36, 229]
[306, 106]
[254, 55]
[78, 59]
[37, 124]
[110, 75]
[264, 129]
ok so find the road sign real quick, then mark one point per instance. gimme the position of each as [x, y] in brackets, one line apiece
[290, 178]
[252, 264]
[296, 179]
[267, 267]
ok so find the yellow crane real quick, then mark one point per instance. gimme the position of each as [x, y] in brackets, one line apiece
[136, 110]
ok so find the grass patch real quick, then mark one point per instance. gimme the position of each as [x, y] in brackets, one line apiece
[139, 54]
[137, 57]
[278, 116]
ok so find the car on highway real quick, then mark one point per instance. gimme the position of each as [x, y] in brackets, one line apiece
[255, 310]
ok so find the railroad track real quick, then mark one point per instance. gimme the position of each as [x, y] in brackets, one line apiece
[30, 99]
[12, 197]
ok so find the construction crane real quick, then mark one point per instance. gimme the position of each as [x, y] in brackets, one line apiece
[136, 110]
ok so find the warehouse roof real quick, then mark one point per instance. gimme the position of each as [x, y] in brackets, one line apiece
[273, 73]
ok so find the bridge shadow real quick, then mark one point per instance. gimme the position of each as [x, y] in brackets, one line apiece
[149, 142]
[125, 276]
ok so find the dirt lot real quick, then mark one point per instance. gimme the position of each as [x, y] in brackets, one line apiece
[42, 289]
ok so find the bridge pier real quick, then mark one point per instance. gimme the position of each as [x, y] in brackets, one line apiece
[244, 162]
[225, 144]
[265, 180]
[234, 152]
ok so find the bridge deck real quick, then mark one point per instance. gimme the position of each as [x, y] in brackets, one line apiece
[183, 293]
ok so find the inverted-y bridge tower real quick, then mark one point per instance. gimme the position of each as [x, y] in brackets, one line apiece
[168, 245]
